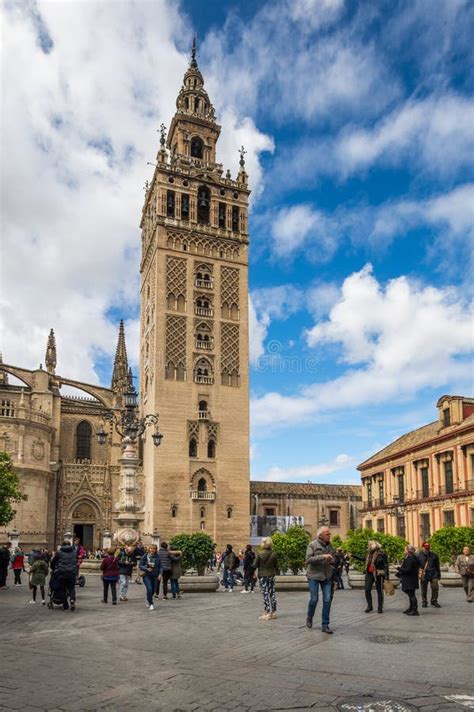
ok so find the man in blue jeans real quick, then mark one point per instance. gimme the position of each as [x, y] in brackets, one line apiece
[319, 572]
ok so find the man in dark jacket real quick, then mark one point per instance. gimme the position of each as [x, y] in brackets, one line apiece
[64, 565]
[165, 565]
[319, 572]
[408, 574]
[430, 573]
[249, 569]
[230, 562]
[4, 561]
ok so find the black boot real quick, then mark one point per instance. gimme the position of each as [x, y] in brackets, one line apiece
[369, 609]
[309, 622]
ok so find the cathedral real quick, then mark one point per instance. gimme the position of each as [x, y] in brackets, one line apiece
[193, 367]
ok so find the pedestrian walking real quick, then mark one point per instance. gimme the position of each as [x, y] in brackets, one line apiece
[376, 572]
[34, 555]
[165, 566]
[338, 568]
[110, 575]
[38, 573]
[151, 568]
[319, 572]
[465, 567]
[126, 561]
[18, 565]
[64, 564]
[4, 563]
[266, 567]
[230, 562]
[430, 574]
[409, 577]
[249, 569]
[176, 573]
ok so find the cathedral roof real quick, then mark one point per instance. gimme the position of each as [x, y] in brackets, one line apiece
[308, 489]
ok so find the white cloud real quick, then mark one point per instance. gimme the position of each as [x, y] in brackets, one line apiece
[308, 472]
[293, 227]
[76, 136]
[394, 340]
[258, 329]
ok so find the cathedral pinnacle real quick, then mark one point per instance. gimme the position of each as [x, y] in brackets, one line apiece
[51, 358]
[193, 53]
[3, 374]
[120, 374]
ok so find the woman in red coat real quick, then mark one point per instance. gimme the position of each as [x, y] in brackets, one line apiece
[18, 565]
[110, 574]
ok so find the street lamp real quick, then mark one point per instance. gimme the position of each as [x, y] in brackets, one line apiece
[130, 427]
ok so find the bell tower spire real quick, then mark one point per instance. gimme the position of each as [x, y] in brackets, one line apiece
[120, 374]
[51, 357]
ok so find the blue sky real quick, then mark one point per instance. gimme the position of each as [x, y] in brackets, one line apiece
[358, 119]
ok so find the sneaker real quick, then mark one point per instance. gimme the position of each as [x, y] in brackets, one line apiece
[33, 602]
[73, 606]
[151, 608]
[435, 604]
[424, 605]
[114, 603]
[413, 613]
[252, 591]
[43, 603]
[368, 610]
[165, 598]
[273, 615]
[179, 595]
[231, 590]
[245, 592]
[265, 617]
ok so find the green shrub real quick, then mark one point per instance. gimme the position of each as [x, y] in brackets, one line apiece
[10, 489]
[357, 540]
[448, 542]
[197, 549]
[291, 548]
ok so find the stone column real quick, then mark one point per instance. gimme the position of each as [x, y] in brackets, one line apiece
[127, 516]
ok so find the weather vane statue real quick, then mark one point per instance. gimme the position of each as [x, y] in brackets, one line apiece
[162, 131]
[193, 53]
[242, 152]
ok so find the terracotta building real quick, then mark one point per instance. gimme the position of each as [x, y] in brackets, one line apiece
[425, 479]
[277, 505]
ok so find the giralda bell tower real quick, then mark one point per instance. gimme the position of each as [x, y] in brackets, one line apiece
[194, 329]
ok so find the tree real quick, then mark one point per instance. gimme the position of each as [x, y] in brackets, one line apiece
[10, 489]
[197, 549]
[448, 542]
[357, 540]
[291, 548]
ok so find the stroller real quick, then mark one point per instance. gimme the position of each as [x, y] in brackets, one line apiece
[55, 591]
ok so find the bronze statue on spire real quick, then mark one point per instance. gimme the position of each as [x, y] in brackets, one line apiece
[193, 53]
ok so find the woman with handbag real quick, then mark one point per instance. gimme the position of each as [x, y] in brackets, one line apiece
[376, 572]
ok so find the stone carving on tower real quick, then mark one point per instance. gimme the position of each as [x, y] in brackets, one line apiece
[51, 357]
[121, 378]
[194, 326]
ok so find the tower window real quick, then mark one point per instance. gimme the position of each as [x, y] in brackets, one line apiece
[197, 146]
[235, 218]
[222, 214]
[203, 405]
[229, 512]
[174, 510]
[211, 449]
[192, 448]
[185, 206]
[170, 203]
[202, 485]
[203, 512]
[204, 202]
[83, 441]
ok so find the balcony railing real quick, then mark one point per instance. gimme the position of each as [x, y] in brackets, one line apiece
[203, 415]
[203, 311]
[206, 283]
[197, 494]
[206, 345]
[209, 380]
[420, 494]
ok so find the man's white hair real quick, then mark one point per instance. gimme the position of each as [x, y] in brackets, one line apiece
[321, 530]
[411, 548]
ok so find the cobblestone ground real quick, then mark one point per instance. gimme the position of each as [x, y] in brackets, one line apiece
[210, 652]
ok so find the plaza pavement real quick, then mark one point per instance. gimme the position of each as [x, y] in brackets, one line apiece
[209, 652]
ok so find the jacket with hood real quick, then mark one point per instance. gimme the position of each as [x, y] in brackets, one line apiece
[64, 563]
[318, 567]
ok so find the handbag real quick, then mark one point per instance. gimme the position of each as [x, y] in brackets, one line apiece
[388, 588]
[470, 570]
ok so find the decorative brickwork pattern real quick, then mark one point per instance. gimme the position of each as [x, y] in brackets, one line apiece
[175, 340]
[229, 286]
[230, 362]
[176, 276]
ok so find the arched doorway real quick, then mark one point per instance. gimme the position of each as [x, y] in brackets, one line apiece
[84, 522]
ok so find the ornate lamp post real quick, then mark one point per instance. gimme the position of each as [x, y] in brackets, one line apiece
[130, 428]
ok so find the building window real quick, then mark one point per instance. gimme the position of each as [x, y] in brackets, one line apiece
[381, 526]
[448, 476]
[269, 511]
[471, 517]
[229, 512]
[174, 510]
[203, 372]
[170, 204]
[401, 527]
[382, 491]
[185, 206]
[211, 449]
[197, 146]
[7, 409]
[369, 493]
[83, 441]
[401, 487]
[425, 529]
[334, 517]
[204, 202]
[203, 512]
[202, 485]
[446, 417]
[448, 518]
[222, 214]
[425, 482]
[235, 218]
[192, 448]
[368, 524]
[203, 526]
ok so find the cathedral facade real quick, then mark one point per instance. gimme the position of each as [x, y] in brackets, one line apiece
[193, 367]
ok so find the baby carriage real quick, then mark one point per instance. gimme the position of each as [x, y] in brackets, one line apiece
[55, 591]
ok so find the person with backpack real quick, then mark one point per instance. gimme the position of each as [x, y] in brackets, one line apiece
[64, 564]
[18, 565]
[38, 572]
[110, 568]
[126, 562]
[231, 563]
[176, 573]
[266, 564]
[249, 569]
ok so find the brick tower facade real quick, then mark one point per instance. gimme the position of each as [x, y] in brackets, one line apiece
[194, 329]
